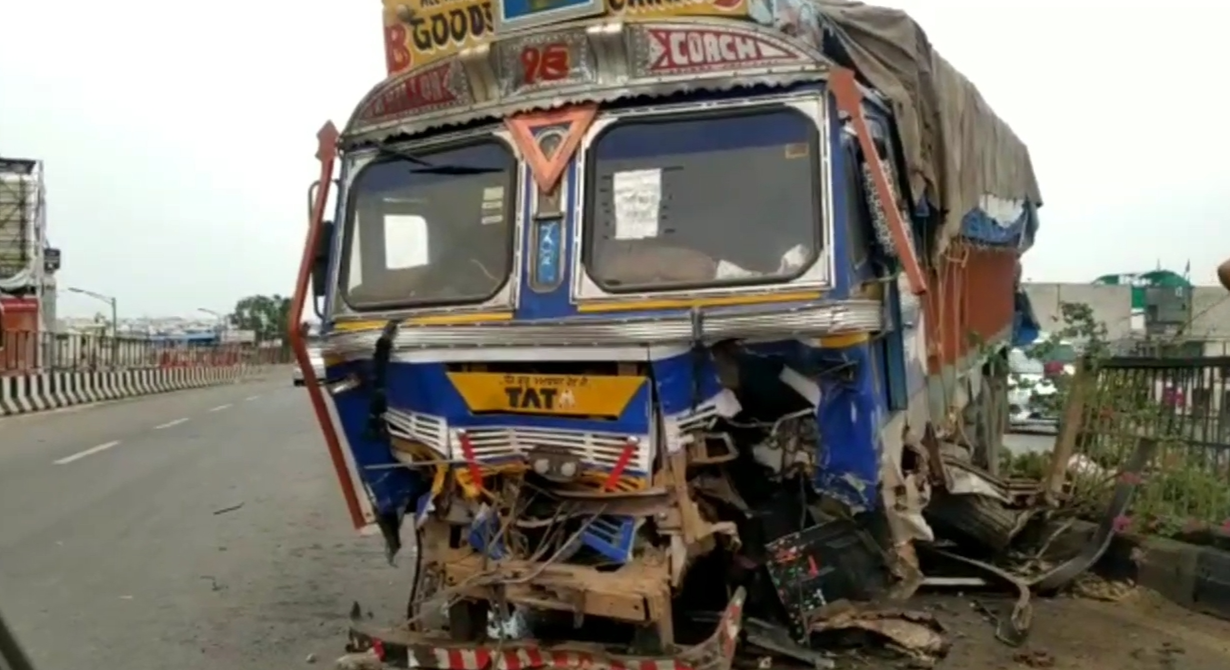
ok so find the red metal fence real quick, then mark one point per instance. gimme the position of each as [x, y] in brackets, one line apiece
[30, 352]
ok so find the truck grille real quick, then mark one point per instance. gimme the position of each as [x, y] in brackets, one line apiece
[597, 454]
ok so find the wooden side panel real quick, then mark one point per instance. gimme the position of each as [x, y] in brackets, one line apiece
[971, 301]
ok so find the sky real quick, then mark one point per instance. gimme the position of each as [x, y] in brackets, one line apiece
[179, 138]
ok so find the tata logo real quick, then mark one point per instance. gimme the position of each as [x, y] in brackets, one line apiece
[548, 399]
[559, 395]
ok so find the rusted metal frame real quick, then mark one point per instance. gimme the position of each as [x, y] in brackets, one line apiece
[1013, 629]
[326, 153]
[850, 101]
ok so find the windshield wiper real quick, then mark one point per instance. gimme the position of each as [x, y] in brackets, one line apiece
[431, 168]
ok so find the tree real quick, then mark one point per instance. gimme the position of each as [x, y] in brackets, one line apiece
[267, 316]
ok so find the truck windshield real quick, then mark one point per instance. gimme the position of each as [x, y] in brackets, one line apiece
[703, 201]
[415, 236]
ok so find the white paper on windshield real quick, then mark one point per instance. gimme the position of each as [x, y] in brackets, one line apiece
[792, 260]
[638, 203]
[405, 241]
[728, 270]
[493, 200]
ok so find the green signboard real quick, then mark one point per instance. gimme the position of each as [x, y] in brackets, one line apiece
[1139, 281]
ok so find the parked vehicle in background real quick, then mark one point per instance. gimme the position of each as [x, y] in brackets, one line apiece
[1058, 356]
[318, 365]
[1032, 373]
[1030, 385]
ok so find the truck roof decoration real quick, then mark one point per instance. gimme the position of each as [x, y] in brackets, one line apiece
[573, 122]
[543, 68]
[460, 61]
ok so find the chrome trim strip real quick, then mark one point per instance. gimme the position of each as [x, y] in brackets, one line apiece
[596, 450]
[777, 323]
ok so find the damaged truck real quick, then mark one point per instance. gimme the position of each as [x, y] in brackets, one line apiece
[643, 322]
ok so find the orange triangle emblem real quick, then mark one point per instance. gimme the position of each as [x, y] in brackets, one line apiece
[529, 131]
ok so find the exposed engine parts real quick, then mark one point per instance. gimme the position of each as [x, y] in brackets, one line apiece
[543, 541]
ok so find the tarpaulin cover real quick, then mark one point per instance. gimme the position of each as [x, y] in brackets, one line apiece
[956, 149]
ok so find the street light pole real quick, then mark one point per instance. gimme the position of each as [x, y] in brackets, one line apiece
[115, 323]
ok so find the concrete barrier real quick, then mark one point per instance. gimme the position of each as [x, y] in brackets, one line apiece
[1194, 576]
[39, 391]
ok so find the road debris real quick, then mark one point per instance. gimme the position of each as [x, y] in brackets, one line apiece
[1034, 658]
[225, 510]
[367, 660]
[916, 634]
[1095, 587]
[817, 579]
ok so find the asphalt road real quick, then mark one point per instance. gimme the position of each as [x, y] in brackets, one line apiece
[116, 549]
[201, 529]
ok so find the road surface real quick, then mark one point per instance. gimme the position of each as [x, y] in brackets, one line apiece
[1030, 441]
[115, 551]
[204, 530]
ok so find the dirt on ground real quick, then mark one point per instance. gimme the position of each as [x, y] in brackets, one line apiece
[1138, 631]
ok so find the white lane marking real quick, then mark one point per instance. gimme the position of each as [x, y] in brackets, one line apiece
[219, 408]
[88, 452]
[171, 423]
[251, 397]
[52, 412]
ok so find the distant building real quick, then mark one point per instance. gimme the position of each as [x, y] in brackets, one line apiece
[27, 263]
[1161, 300]
[1143, 307]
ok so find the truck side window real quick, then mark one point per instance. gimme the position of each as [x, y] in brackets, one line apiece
[857, 189]
[858, 221]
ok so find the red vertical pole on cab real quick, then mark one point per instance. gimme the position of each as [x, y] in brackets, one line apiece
[326, 153]
[850, 100]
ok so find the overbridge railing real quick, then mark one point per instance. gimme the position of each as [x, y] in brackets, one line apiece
[1181, 402]
[26, 352]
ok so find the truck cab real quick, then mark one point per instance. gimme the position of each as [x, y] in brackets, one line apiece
[620, 308]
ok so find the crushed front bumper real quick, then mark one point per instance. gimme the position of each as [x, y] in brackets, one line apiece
[399, 648]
